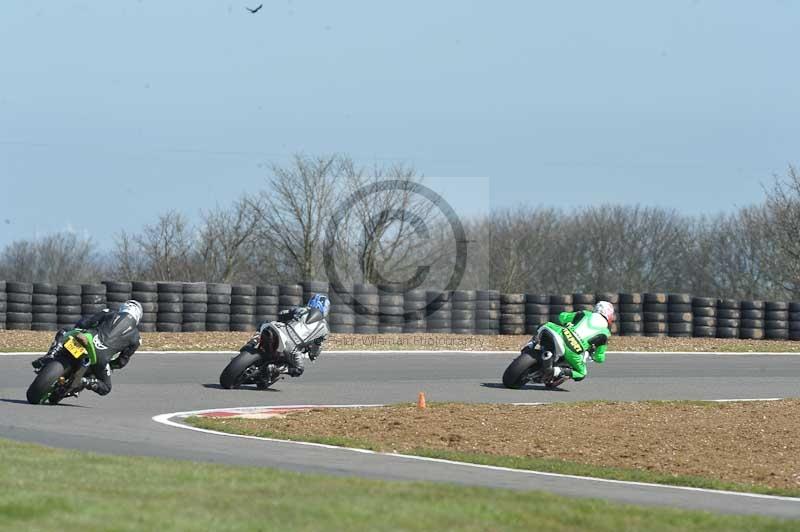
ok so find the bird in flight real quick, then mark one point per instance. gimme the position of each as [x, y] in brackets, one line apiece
[254, 10]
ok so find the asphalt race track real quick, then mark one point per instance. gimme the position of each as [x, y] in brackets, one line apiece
[152, 384]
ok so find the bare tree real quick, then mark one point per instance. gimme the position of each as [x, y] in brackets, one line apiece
[161, 252]
[294, 208]
[226, 240]
[783, 223]
[56, 258]
[393, 225]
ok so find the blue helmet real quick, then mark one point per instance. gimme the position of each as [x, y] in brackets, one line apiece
[321, 303]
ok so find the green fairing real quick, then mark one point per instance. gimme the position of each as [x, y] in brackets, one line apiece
[591, 325]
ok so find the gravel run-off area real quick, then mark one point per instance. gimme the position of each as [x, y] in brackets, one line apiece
[744, 442]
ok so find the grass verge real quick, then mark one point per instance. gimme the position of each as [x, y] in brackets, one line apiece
[45, 488]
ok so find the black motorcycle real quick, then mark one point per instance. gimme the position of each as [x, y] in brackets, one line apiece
[532, 365]
[251, 367]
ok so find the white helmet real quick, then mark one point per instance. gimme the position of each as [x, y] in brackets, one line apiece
[605, 309]
[133, 308]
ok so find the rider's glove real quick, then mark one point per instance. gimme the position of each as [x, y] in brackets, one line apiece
[294, 371]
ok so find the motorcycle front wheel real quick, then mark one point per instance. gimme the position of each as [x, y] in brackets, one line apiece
[517, 372]
[234, 373]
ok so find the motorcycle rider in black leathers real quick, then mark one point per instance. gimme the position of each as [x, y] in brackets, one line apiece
[299, 331]
[117, 340]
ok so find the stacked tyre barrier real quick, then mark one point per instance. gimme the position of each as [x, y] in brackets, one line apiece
[267, 305]
[195, 307]
[462, 315]
[487, 312]
[68, 305]
[117, 293]
[370, 309]
[704, 317]
[679, 315]
[366, 303]
[559, 304]
[776, 320]
[343, 314]
[582, 302]
[218, 303]
[19, 297]
[3, 305]
[414, 305]
[654, 314]
[146, 293]
[794, 321]
[391, 309]
[290, 295]
[44, 307]
[752, 322]
[440, 320]
[512, 313]
[243, 307]
[169, 317]
[537, 312]
[630, 315]
[93, 298]
[729, 317]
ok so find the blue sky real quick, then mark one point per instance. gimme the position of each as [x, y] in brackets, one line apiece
[148, 106]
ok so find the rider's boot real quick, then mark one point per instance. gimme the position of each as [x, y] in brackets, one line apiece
[41, 362]
[272, 375]
[556, 373]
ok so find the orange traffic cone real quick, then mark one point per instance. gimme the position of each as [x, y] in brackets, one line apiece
[421, 400]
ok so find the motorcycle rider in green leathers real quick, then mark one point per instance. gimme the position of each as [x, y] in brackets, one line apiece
[576, 336]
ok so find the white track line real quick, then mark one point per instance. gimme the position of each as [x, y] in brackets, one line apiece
[166, 419]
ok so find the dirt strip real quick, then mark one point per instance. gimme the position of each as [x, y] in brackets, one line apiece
[748, 442]
[35, 341]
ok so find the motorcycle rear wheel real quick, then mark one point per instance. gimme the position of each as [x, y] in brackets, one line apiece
[517, 372]
[42, 386]
[234, 373]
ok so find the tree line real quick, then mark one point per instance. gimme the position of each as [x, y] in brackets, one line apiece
[325, 214]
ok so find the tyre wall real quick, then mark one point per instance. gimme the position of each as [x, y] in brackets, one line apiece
[44, 307]
[370, 309]
[3, 305]
[19, 297]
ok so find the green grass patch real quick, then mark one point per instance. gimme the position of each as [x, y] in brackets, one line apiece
[546, 465]
[47, 489]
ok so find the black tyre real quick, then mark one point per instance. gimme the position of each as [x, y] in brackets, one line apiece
[115, 286]
[701, 331]
[583, 299]
[69, 290]
[630, 299]
[515, 374]
[704, 312]
[42, 385]
[218, 289]
[233, 374]
[537, 299]
[678, 307]
[513, 299]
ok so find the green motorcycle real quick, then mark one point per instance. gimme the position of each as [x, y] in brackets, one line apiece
[62, 376]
